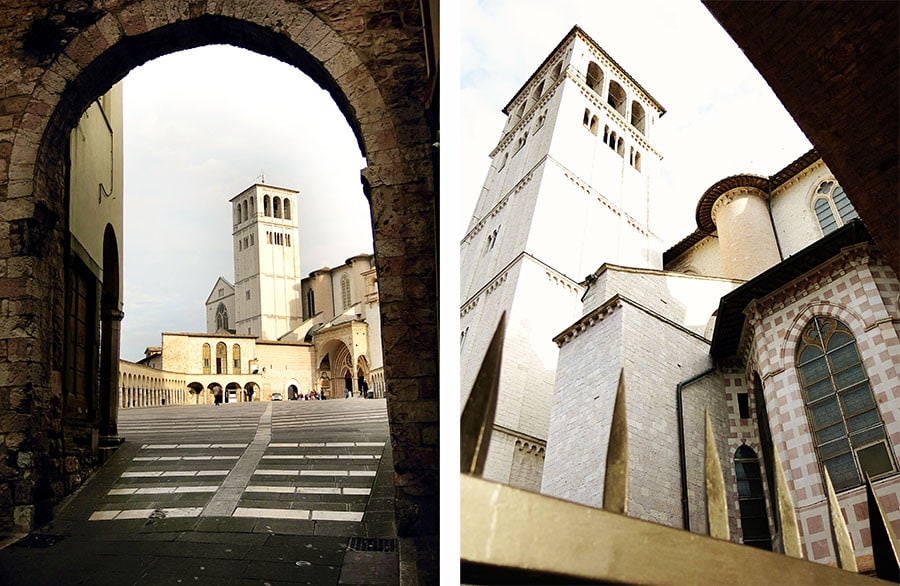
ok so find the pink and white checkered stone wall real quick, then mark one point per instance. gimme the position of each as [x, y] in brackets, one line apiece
[859, 289]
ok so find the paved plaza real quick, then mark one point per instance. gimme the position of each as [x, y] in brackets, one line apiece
[293, 492]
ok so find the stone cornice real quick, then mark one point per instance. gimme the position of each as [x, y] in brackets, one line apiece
[502, 203]
[612, 114]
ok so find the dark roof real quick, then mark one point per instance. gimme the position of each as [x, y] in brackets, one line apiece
[730, 316]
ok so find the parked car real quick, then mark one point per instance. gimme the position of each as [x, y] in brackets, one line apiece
[277, 397]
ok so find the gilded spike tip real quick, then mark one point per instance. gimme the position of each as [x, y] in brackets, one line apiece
[884, 542]
[478, 414]
[790, 533]
[615, 482]
[842, 544]
[716, 508]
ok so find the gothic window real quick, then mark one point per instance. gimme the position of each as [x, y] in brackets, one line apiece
[612, 140]
[594, 123]
[287, 239]
[221, 317]
[206, 358]
[251, 240]
[240, 248]
[587, 117]
[287, 209]
[520, 112]
[595, 77]
[503, 161]
[637, 160]
[245, 242]
[236, 358]
[310, 303]
[833, 208]
[620, 147]
[266, 211]
[606, 134]
[521, 142]
[246, 210]
[252, 205]
[345, 291]
[637, 116]
[221, 358]
[616, 97]
[276, 207]
[751, 499]
[844, 419]
[541, 119]
[237, 213]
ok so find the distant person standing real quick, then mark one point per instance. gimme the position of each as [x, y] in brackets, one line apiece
[218, 400]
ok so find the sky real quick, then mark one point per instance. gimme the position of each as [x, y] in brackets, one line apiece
[721, 117]
[200, 126]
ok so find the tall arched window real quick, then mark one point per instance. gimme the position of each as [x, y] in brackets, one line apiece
[287, 209]
[595, 77]
[276, 207]
[833, 208]
[616, 97]
[252, 206]
[221, 358]
[236, 358]
[345, 291]
[638, 117]
[206, 358]
[246, 210]
[266, 211]
[310, 303]
[237, 213]
[751, 499]
[843, 416]
[221, 317]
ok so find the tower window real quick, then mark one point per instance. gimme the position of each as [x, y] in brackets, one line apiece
[503, 161]
[557, 71]
[616, 97]
[832, 206]
[276, 207]
[595, 77]
[246, 210]
[587, 117]
[310, 303]
[541, 119]
[538, 91]
[620, 147]
[287, 209]
[637, 116]
[843, 416]
[594, 124]
[266, 211]
[251, 240]
[637, 160]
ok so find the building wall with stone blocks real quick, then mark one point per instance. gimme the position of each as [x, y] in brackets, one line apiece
[656, 356]
[792, 209]
[688, 300]
[846, 288]
[704, 258]
[527, 465]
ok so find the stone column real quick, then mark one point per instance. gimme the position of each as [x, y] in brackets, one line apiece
[111, 324]
[746, 237]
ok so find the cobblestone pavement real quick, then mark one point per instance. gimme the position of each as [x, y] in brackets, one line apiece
[294, 492]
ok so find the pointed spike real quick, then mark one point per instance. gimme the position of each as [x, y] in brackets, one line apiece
[478, 415]
[716, 508]
[790, 531]
[615, 482]
[884, 542]
[843, 546]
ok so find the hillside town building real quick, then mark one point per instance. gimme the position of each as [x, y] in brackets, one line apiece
[778, 315]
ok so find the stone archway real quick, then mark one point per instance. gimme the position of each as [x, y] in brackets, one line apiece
[373, 63]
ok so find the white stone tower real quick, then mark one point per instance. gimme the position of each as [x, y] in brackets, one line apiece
[567, 191]
[266, 261]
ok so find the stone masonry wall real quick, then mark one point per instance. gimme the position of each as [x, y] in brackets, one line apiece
[58, 56]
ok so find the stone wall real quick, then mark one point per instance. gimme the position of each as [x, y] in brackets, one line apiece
[57, 57]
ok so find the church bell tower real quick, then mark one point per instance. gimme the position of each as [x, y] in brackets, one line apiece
[266, 244]
[568, 190]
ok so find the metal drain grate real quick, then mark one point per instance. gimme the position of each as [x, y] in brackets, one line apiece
[39, 541]
[372, 544]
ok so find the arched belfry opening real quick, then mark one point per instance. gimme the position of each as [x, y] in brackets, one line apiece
[384, 92]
